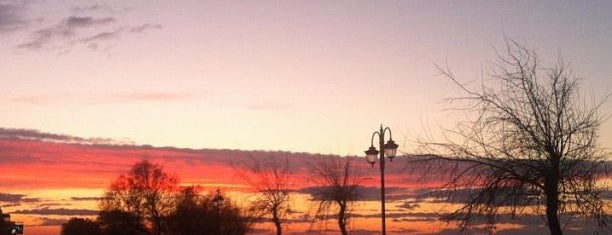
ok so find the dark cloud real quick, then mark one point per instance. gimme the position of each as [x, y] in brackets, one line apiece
[540, 228]
[10, 204]
[86, 21]
[364, 232]
[98, 9]
[28, 134]
[52, 222]
[392, 193]
[86, 198]
[143, 28]
[368, 193]
[116, 34]
[77, 29]
[30, 200]
[102, 36]
[59, 211]
[504, 197]
[12, 198]
[63, 34]
[12, 16]
[17, 198]
[457, 231]
[92, 8]
[399, 216]
[409, 205]
[52, 204]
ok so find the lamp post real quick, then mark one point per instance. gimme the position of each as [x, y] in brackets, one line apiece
[217, 200]
[389, 149]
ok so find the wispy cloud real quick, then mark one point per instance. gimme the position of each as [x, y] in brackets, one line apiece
[63, 34]
[92, 8]
[86, 198]
[59, 211]
[146, 96]
[118, 32]
[12, 16]
[28, 134]
[17, 198]
[81, 28]
[143, 28]
[102, 36]
[13, 198]
[86, 21]
[52, 222]
[366, 193]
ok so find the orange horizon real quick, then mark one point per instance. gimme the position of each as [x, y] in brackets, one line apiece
[52, 180]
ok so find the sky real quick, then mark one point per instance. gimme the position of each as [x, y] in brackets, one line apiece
[301, 76]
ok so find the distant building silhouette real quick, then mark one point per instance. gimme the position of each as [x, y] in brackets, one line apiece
[8, 227]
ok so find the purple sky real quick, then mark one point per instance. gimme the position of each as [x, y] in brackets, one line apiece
[314, 76]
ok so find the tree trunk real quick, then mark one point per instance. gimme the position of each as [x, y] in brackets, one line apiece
[342, 219]
[156, 224]
[277, 221]
[551, 189]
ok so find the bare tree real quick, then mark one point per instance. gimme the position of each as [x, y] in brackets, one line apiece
[337, 186]
[271, 178]
[146, 192]
[530, 141]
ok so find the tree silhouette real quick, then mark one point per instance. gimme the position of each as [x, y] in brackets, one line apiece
[117, 222]
[145, 196]
[530, 142]
[337, 187]
[147, 201]
[79, 226]
[272, 179]
[199, 214]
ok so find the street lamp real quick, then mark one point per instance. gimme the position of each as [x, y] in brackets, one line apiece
[217, 200]
[389, 149]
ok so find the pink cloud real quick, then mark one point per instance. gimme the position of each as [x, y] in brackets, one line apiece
[153, 96]
[45, 99]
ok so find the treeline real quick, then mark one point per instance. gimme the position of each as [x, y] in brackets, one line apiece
[148, 201]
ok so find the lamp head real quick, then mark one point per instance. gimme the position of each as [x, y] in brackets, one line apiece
[371, 155]
[390, 149]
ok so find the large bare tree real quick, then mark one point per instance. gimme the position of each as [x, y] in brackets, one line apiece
[337, 186]
[529, 144]
[272, 179]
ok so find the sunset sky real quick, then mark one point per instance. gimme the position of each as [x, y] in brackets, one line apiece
[311, 76]
[298, 76]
